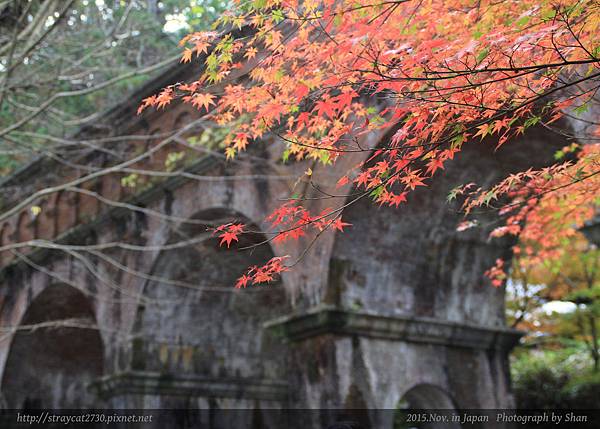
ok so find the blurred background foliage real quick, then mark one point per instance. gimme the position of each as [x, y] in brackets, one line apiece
[561, 378]
[102, 49]
[557, 304]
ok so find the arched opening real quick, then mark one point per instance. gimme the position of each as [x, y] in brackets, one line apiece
[419, 400]
[193, 321]
[181, 120]
[111, 187]
[64, 212]
[45, 220]
[156, 160]
[55, 354]
[88, 205]
[177, 152]
[185, 119]
[25, 227]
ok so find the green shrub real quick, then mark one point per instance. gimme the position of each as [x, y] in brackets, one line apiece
[555, 379]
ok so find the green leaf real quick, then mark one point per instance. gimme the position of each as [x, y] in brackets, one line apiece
[212, 62]
[532, 121]
[130, 181]
[484, 53]
[523, 21]
[375, 193]
[548, 14]
[277, 15]
[582, 109]
[325, 157]
[457, 141]
[453, 194]
[489, 196]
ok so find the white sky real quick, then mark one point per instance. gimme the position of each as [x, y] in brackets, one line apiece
[558, 307]
[174, 23]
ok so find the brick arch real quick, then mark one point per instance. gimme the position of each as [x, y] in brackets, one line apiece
[241, 197]
[203, 222]
[151, 140]
[45, 220]
[183, 119]
[51, 365]
[25, 226]
[156, 160]
[111, 188]
[180, 120]
[88, 205]
[195, 132]
[65, 212]
[193, 329]
[128, 150]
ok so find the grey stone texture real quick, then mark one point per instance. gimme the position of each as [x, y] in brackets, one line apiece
[394, 310]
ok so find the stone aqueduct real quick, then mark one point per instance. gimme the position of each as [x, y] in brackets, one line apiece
[396, 307]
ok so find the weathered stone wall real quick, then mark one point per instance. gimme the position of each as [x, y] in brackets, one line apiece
[172, 328]
[396, 307]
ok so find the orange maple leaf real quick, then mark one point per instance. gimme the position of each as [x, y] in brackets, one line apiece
[164, 97]
[203, 100]
[187, 56]
[250, 53]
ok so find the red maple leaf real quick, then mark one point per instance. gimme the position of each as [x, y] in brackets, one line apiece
[228, 237]
[242, 282]
[325, 107]
[237, 228]
[301, 91]
[339, 225]
[397, 199]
